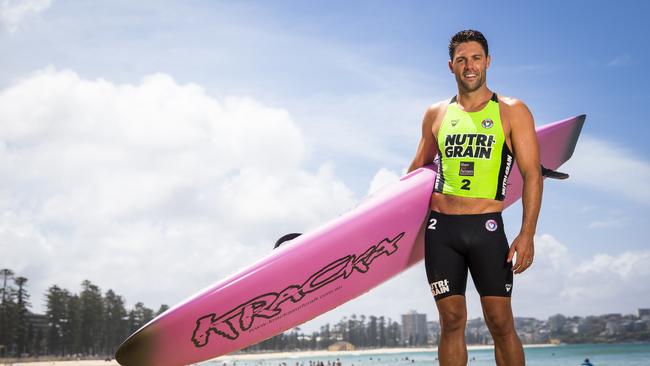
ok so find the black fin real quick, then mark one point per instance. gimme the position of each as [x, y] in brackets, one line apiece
[553, 174]
[286, 238]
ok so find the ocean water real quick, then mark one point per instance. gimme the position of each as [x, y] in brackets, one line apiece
[561, 355]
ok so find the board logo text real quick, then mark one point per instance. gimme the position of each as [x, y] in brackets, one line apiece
[269, 305]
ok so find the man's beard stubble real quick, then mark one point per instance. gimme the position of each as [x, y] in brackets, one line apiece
[469, 88]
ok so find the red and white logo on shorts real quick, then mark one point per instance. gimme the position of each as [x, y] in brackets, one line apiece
[491, 225]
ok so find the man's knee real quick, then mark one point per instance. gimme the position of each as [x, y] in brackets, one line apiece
[500, 323]
[498, 315]
[453, 320]
[453, 313]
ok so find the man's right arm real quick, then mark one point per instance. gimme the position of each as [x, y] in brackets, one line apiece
[427, 148]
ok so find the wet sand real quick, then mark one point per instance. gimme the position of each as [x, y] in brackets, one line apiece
[65, 363]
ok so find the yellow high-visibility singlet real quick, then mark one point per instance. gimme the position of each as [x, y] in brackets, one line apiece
[474, 159]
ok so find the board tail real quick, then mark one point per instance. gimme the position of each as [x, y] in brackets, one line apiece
[562, 139]
[557, 143]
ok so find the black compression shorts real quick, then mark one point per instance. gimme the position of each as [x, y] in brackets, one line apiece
[455, 243]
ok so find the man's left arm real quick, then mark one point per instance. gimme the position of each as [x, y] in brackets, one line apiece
[526, 151]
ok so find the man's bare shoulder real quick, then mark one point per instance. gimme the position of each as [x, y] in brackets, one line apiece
[434, 110]
[512, 103]
[436, 107]
[514, 107]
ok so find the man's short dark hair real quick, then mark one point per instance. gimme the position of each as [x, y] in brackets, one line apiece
[467, 35]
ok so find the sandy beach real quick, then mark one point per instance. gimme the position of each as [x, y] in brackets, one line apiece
[268, 356]
[321, 353]
[65, 363]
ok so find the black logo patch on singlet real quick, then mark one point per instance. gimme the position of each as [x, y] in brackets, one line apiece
[466, 169]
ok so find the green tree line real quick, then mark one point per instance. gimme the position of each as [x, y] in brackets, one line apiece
[94, 323]
[360, 331]
[88, 323]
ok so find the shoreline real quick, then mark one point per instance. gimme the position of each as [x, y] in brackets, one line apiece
[272, 355]
[63, 363]
[360, 352]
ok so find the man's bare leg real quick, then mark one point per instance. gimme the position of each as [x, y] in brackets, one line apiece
[452, 350]
[508, 350]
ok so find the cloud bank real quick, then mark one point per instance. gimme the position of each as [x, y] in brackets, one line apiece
[153, 189]
[607, 167]
[13, 13]
[561, 282]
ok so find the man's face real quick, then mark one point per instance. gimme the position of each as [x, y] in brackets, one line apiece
[469, 65]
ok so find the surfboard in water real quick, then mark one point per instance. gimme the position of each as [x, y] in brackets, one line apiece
[317, 271]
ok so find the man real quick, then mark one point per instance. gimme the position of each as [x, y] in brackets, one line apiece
[473, 137]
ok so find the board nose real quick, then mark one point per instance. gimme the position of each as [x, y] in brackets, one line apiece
[136, 350]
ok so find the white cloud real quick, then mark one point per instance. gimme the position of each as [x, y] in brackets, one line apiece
[382, 178]
[610, 168]
[559, 282]
[617, 222]
[610, 282]
[622, 266]
[14, 12]
[132, 185]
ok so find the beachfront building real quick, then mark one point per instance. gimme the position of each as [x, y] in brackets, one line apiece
[414, 329]
[557, 322]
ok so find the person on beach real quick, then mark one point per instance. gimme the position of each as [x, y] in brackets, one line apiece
[474, 138]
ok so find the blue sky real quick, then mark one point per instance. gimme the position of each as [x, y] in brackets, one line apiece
[317, 101]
